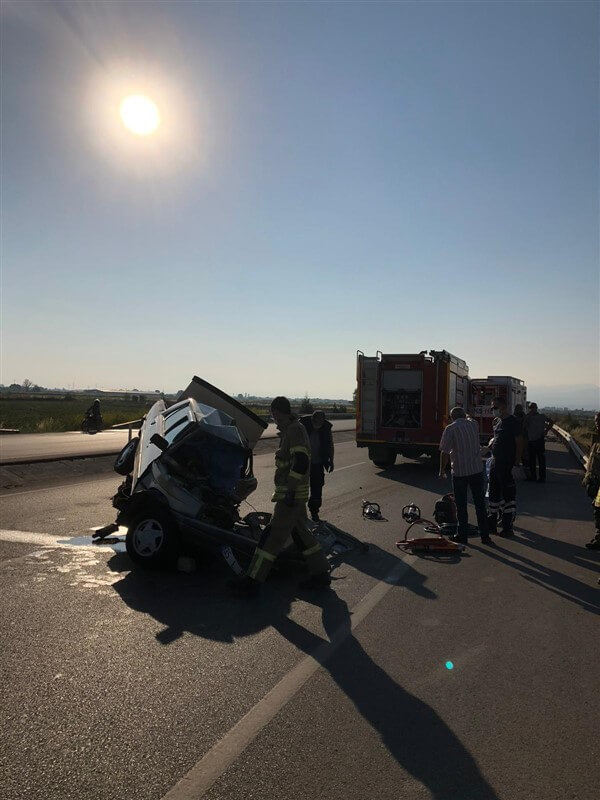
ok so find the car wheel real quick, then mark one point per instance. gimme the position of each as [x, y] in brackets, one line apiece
[125, 460]
[152, 539]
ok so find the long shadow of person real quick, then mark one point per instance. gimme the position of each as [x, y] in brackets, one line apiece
[410, 729]
[572, 553]
[552, 580]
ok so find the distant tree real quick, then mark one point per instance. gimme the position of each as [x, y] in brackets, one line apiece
[306, 407]
[157, 391]
[36, 388]
[15, 387]
[27, 384]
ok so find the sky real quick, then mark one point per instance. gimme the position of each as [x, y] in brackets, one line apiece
[326, 177]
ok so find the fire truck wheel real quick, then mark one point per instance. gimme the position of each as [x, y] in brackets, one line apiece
[383, 462]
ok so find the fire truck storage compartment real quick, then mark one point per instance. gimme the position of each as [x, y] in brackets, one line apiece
[403, 402]
[401, 398]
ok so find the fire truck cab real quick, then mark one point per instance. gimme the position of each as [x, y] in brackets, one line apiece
[403, 402]
[482, 394]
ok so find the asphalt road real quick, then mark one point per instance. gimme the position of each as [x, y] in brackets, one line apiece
[21, 448]
[117, 683]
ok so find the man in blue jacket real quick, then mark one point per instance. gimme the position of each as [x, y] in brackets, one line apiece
[321, 447]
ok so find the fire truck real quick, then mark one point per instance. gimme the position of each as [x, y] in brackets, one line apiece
[403, 402]
[482, 394]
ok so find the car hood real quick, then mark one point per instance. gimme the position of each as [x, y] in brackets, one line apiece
[251, 426]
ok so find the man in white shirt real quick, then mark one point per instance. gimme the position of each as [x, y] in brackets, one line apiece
[460, 444]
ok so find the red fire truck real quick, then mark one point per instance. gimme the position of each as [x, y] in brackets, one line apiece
[403, 401]
[482, 394]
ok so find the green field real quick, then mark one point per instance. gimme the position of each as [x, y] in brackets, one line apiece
[580, 429]
[53, 415]
[56, 414]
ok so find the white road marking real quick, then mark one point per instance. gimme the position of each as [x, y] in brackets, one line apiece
[339, 469]
[64, 486]
[48, 540]
[217, 760]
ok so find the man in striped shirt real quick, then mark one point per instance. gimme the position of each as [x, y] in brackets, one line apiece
[460, 443]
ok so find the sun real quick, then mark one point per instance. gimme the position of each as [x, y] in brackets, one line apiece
[139, 114]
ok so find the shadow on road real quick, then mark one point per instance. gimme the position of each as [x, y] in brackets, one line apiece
[408, 727]
[575, 591]
[198, 603]
[413, 733]
[572, 553]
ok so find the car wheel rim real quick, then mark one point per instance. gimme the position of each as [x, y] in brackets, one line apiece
[148, 538]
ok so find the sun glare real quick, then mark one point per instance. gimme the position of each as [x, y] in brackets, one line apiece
[145, 123]
[139, 114]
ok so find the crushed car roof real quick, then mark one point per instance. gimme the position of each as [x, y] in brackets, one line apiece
[204, 393]
[214, 422]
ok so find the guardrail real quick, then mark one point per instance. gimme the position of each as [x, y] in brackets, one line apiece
[572, 445]
[129, 426]
[137, 423]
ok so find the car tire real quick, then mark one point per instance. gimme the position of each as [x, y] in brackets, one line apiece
[124, 461]
[152, 539]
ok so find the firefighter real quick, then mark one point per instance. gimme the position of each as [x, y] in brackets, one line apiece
[292, 475]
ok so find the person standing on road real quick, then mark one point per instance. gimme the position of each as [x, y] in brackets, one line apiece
[321, 449]
[460, 443]
[292, 473]
[535, 428]
[507, 447]
[591, 483]
[520, 416]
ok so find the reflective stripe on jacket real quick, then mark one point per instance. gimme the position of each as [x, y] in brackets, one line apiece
[294, 439]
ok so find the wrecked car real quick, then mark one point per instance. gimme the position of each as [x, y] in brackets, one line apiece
[186, 476]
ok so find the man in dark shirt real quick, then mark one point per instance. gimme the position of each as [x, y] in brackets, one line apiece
[535, 428]
[321, 447]
[507, 448]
